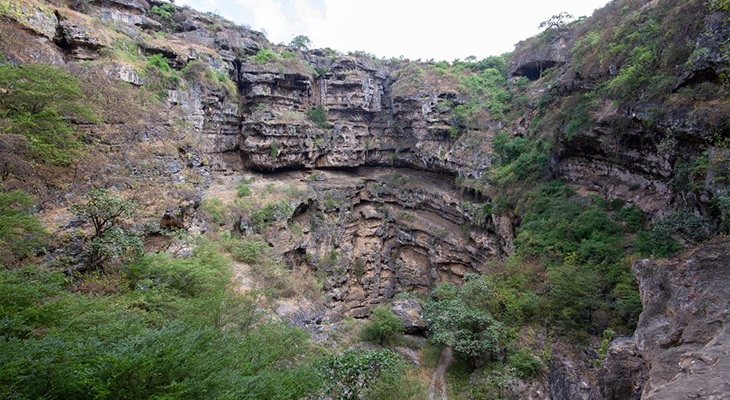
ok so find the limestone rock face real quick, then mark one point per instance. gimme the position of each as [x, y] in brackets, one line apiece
[682, 337]
[409, 311]
[367, 124]
[371, 234]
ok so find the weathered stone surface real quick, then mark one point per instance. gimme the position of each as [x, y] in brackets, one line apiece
[623, 372]
[409, 311]
[682, 336]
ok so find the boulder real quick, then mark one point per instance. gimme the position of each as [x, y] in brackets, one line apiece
[409, 311]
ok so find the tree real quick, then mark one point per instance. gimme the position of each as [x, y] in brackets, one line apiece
[110, 240]
[20, 231]
[384, 328]
[574, 294]
[557, 21]
[462, 318]
[301, 42]
[39, 103]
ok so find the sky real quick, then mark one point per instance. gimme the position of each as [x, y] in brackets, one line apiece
[425, 29]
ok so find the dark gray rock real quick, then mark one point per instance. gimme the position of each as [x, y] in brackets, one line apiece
[409, 311]
[682, 336]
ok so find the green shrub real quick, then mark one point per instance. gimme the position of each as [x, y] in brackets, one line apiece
[21, 233]
[574, 295]
[215, 210]
[199, 71]
[661, 239]
[264, 56]
[176, 332]
[249, 251]
[39, 105]
[526, 365]
[163, 14]
[111, 241]
[358, 268]
[384, 327]
[159, 76]
[272, 212]
[274, 150]
[462, 318]
[350, 374]
[243, 190]
[318, 115]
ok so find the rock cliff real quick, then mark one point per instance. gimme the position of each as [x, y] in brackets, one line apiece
[403, 178]
[681, 347]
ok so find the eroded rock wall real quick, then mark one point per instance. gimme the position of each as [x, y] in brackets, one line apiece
[681, 347]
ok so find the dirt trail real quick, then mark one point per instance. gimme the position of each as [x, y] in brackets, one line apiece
[437, 390]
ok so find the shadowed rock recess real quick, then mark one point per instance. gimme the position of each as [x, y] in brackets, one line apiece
[368, 182]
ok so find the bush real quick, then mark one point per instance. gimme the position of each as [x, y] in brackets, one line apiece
[384, 327]
[163, 14]
[39, 105]
[461, 318]
[215, 210]
[176, 333]
[274, 150]
[264, 56]
[249, 251]
[21, 233]
[159, 76]
[574, 295]
[353, 373]
[199, 71]
[271, 213]
[111, 241]
[243, 190]
[318, 115]
[525, 364]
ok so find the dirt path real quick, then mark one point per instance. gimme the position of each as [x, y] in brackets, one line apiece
[437, 389]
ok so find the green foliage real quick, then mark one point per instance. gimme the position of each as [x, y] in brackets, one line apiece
[356, 373]
[318, 115]
[383, 328]
[264, 56]
[526, 365]
[557, 21]
[110, 242]
[164, 15]
[159, 76]
[274, 149]
[632, 217]
[582, 247]
[608, 336]
[301, 42]
[271, 213]
[39, 105]
[577, 116]
[574, 295]
[661, 239]
[243, 190]
[173, 332]
[462, 318]
[518, 159]
[21, 233]
[215, 210]
[199, 71]
[359, 268]
[249, 251]
[721, 5]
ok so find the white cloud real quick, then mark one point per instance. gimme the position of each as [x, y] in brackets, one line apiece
[424, 29]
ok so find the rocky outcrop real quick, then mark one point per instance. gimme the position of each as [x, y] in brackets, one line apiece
[409, 311]
[681, 347]
[370, 234]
